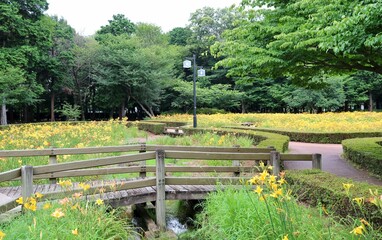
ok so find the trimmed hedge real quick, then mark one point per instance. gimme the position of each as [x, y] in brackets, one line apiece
[319, 188]
[365, 152]
[153, 127]
[261, 139]
[167, 123]
[315, 137]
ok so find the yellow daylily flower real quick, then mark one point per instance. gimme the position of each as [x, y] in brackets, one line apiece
[20, 200]
[258, 190]
[285, 237]
[2, 235]
[358, 230]
[38, 195]
[99, 201]
[58, 213]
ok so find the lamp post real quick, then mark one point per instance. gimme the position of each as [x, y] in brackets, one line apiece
[200, 73]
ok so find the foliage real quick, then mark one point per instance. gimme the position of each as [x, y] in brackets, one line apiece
[133, 69]
[301, 39]
[153, 127]
[67, 218]
[117, 26]
[365, 152]
[318, 188]
[268, 212]
[215, 96]
[179, 36]
[70, 112]
[23, 33]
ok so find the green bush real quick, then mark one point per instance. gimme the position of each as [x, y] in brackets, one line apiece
[260, 139]
[153, 127]
[166, 123]
[365, 152]
[314, 137]
[319, 188]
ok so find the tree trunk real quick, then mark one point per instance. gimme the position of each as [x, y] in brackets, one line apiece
[242, 107]
[52, 96]
[3, 113]
[122, 110]
[370, 101]
[145, 109]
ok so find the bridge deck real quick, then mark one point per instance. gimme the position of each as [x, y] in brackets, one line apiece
[118, 198]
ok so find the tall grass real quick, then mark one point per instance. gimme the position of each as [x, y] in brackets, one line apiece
[67, 218]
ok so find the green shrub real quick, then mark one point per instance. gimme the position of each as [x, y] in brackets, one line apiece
[166, 123]
[153, 127]
[319, 188]
[210, 111]
[365, 152]
[314, 137]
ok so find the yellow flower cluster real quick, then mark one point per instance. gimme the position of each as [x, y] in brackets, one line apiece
[30, 203]
[269, 186]
[326, 122]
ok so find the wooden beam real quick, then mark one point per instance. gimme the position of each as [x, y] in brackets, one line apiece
[10, 175]
[276, 163]
[69, 151]
[316, 161]
[93, 163]
[217, 156]
[204, 180]
[52, 160]
[93, 172]
[208, 149]
[160, 206]
[26, 181]
[296, 157]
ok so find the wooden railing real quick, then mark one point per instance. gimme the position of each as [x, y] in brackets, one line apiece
[147, 152]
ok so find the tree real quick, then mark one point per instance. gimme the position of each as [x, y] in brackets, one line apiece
[134, 68]
[301, 39]
[179, 36]
[22, 35]
[53, 70]
[117, 26]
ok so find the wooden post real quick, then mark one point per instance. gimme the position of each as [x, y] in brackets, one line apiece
[160, 206]
[52, 160]
[236, 163]
[142, 173]
[26, 182]
[276, 162]
[316, 161]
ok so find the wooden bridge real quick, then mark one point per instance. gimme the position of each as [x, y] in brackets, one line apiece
[154, 183]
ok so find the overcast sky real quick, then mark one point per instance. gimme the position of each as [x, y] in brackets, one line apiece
[87, 16]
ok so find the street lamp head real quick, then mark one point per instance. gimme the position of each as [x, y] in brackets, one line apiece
[201, 73]
[186, 64]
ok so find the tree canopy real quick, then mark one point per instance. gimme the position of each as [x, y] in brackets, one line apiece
[302, 38]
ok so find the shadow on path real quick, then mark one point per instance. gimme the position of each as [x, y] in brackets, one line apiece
[332, 161]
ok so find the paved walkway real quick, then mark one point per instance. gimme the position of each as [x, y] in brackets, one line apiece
[331, 161]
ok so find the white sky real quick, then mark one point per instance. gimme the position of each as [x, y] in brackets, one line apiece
[87, 16]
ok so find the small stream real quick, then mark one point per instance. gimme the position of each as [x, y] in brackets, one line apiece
[179, 217]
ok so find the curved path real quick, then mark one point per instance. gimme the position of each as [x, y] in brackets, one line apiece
[331, 161]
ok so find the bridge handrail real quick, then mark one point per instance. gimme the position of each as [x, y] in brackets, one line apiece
[126, 148]
[71, 169]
